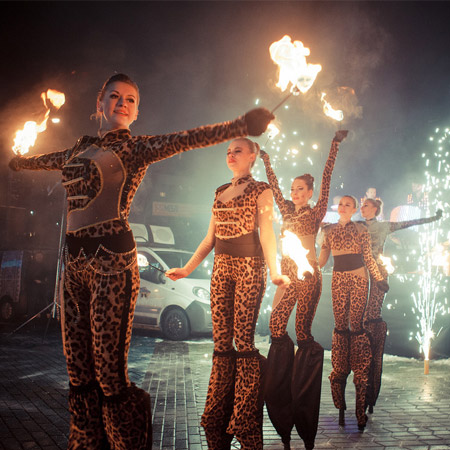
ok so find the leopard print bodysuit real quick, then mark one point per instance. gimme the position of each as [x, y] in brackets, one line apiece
[304, 222]
[234, 404]
[101, 279]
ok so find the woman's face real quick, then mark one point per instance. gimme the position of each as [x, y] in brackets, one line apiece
[300, 194]
[119, 106]
[239, 156]
[368, 210]
[346, 208]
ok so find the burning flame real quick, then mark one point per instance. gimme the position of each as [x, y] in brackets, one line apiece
[292, 246]
[26, 137]
[272, 131]
[387, 263]
[335, 114]
[291, 59]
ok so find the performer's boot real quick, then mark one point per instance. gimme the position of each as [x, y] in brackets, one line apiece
[340, 361]
[377, 329]
[128, 420]
[277, 385]
[306, 389]
[86, 423]
[246, 420]
[360, 362]
[219, 400]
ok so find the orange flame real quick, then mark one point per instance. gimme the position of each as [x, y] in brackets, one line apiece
[291, 59]
[335, 114]
[26, 137]
[292, 246]
[387, 263]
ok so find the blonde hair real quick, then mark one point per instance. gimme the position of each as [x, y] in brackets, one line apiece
[112, 79]
[253, 146]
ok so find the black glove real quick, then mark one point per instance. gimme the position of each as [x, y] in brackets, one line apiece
[383, 286]
[14, 163]
[438, 214]
[340, 135]
[257, 121]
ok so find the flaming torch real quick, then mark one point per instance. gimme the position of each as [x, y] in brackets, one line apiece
[292, 247]
[26, 137]
[291, 60]
[335, 114]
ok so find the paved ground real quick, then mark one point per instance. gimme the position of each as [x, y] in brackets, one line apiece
[413, 411]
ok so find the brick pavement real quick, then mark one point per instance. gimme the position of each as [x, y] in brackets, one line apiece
[413, 410]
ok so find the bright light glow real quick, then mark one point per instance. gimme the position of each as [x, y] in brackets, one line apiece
[292, 247]
[26, 137]
[329, 111]
[291, 60]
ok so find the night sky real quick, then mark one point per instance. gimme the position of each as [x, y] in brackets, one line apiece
[204, 62]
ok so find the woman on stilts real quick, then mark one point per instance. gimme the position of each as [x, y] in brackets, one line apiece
[234, 403]
[373, 322]
[293, 383]
[101, 278]
[349, 243]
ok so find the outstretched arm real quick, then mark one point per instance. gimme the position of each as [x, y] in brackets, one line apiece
[150, 149]
[394, 226]
[322, 203]
[267, 237]
[199, 255]
[284, 206]
[48, 161]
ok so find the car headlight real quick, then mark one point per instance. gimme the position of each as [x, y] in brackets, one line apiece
[201, 293]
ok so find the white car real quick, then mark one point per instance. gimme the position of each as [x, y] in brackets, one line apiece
[177, 308]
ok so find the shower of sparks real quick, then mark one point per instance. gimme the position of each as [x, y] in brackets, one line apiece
[433, 240]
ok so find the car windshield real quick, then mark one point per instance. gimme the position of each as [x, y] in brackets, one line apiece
[179, 259]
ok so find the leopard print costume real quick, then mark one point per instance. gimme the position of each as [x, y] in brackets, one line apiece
[375, 325]
[234, 400]
[101, 277]
[281, 363]
[350, 349]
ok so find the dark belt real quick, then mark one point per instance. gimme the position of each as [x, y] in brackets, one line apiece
[351, 261]
[117, 243]
[242, 246]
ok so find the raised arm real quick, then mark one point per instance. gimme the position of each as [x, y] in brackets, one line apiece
[267, 237]
[394, 226]
[199, 255]
[150, 149]
[322, 204]
[285, 206]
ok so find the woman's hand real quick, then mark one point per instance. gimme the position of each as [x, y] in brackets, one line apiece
[281, 281]
[257, 120]
[340, 135]
[176, 273]
[14, 163]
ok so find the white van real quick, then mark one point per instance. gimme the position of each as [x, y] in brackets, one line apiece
[177, 308]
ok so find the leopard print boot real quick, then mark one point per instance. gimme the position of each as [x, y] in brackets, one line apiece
[128, 420]
[277, 385]
[340, 361]
[360, 363]
[86, 424]
[247, 417]
[377, 329]
[219, 401]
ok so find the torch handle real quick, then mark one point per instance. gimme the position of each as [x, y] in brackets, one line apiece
[282, 101]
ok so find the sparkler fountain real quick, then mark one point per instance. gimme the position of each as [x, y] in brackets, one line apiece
[433, 260]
